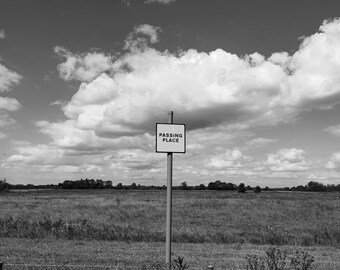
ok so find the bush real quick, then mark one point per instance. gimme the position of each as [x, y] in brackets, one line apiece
[257, 189]
[241, 188]
[4, 186]
[276, 259]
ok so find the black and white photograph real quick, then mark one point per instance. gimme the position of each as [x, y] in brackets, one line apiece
[170, 134]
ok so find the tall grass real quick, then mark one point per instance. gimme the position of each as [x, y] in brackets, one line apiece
[198, 216]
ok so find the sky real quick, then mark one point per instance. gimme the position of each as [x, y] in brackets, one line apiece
[83, 84]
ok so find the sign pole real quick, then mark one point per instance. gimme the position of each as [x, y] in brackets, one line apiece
[169, 200]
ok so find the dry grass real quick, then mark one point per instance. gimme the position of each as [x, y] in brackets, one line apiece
[134, 255]
[303, 219]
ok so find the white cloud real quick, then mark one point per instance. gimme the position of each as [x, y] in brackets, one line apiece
[40, 154]
[82, 67]
[315, 81]
[46, 158]
[141, 36]
[2, 34]
[148, 30]
[260, 142]
[135, 159]
[8, 79]
[230, 159]
[67, 169]
[218, 95]
[287, 160]
[5, 119]
[9, 104]
[206, 90]
[195, 146]
[203, 89]
[160, 1]
[281, 58]
[67, 135]
[334, 130]
[334, 162]
[57, 103]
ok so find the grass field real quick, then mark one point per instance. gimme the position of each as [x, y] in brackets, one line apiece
[215, 227]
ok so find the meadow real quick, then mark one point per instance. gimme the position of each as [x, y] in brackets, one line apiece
[206, 224]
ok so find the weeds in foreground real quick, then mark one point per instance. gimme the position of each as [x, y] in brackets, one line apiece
[177, 264]
[180, 264]
[276, 259]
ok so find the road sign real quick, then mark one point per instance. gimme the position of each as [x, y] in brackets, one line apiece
[170, 138]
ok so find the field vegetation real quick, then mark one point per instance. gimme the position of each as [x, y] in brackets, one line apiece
[200, 218]
[278, 218]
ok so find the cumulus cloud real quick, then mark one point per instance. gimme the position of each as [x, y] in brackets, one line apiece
[315, 81]
[334, 130]
[203, 89]
[82, 67]
[219, 96]
[136, 159]
[141, 37]
[334, 162]
[68, 135]
[260, 142]
[9, 104]
[216, 89]
[8, 79]
[2, 34]
[5, 120]
[230, 159]
[40, 154]
[287, 160]
[160, 1]
[47, 158]
[165, 2]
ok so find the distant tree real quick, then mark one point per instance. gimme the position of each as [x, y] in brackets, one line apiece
[231, 186]
[257, 189]
[201, 187]
[212, 185]
[241, 188]
[316, 186]
[301, 187]
[119, 186]
[184, 185]
[108, 184]
[4, 186]
[218, 185]
[133, 186]
[67, 184]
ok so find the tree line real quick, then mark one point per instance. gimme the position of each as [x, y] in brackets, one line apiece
[216, 185]
[316, 186]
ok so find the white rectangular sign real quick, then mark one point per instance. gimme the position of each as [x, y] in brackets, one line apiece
[170, 138]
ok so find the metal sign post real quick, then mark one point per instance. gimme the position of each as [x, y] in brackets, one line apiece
[170, 138]
[169, 201]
